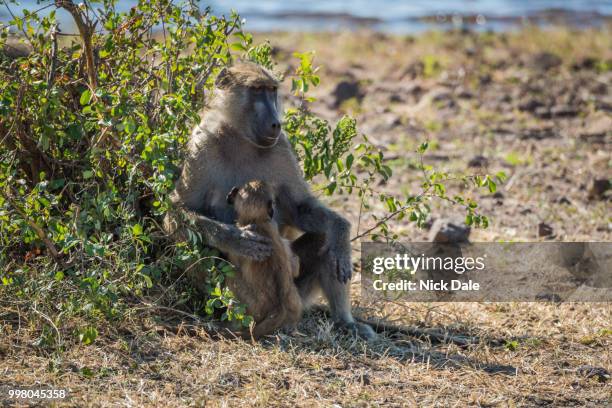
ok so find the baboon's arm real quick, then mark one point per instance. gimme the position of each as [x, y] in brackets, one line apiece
[309, 215]
[226, 238]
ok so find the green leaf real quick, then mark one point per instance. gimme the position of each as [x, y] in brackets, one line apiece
[85, 97]
[129, 125]
[88, 335]
[137, 230]
[492, 186]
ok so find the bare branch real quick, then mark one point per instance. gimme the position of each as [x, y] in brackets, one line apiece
[86, 30]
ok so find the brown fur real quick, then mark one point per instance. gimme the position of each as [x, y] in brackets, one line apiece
[266, 287]
[246, 74]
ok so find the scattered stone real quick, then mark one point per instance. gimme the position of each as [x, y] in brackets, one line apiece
[449, 231]
[585, 63]
[347, 89]
[463, 93]
[599, 189]
[413, 70]
[15, 49]
[601, 374]
[563, 200]
[597, 126]
[439, 95]
[537, 133]
[530, 105]
[543, 112]
[498, 195]
[396, 98]
[545, 61]
[478, 161]
[563, 111]
[544, 230]
[485, 79]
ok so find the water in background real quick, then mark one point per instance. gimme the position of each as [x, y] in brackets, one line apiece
[393, 15]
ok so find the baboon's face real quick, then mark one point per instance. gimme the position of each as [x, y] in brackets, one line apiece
[251, 99]
[265, 122]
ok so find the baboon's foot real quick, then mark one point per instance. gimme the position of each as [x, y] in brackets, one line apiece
[361, 330]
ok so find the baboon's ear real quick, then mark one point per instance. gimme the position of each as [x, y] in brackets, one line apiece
[271, 209]
[223, 78]
[232, 195]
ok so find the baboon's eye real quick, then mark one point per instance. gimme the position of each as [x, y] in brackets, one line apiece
[259, 89]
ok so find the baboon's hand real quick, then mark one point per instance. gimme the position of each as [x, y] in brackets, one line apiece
[248, 243]
[344, 268]
[341, 258]
[340, 255]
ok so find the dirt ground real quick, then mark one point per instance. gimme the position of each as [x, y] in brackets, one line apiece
[535, 104]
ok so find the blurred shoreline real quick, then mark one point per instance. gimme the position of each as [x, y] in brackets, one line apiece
[341, 21]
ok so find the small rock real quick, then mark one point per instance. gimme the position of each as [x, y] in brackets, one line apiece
[563, 200]
[449, 231]
[530, 105]
[599, 188]
[585, 63]
[413, 70]
[414, 90]
[396, 98]
[545, 61]
[14, 49]
[478, 161]
[597, 126]
[485, 79]
[563, 111]
[600, 373]
[463, 93]
[345, 90]
[537, 133]
[439, 95]
[543, 112]
[544, 230]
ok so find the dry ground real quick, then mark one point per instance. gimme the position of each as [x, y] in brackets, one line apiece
[542, 118]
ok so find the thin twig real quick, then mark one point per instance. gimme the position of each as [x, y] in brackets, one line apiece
[39, 231]
[51, 76]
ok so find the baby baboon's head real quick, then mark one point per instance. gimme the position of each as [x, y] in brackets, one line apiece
[247, 94]
[253, 202]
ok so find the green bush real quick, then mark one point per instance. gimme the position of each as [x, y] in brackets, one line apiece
[92, 130]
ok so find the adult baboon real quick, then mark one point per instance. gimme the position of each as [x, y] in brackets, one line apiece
[240, 139]
[267, 286]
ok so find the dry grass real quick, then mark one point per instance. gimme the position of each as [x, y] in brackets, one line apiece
[527, 355]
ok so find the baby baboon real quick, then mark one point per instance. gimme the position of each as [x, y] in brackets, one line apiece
[238, 140]
[266, 286]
